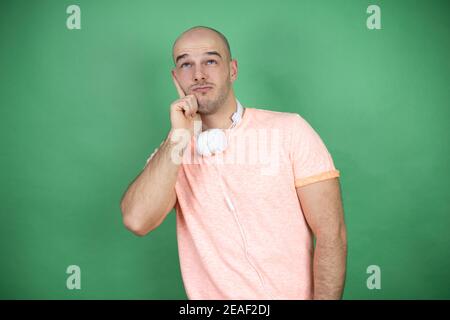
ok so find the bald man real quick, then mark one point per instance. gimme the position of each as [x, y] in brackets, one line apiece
[244, 232]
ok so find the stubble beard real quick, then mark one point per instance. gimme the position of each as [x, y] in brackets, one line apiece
[210, 105]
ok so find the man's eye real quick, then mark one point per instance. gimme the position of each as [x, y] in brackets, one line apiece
[187, 64]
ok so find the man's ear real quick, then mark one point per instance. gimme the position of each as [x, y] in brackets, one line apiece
[233, 70]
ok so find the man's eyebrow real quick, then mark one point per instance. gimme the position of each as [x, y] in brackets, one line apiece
[184, 55]
[211, 53]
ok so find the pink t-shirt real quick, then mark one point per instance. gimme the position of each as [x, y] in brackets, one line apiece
[241, 231]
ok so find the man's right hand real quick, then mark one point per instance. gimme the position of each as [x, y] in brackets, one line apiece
[183, 112]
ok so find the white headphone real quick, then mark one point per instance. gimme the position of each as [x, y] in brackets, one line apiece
[214, 141]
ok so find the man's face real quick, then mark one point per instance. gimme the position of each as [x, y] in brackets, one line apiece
[202, 68]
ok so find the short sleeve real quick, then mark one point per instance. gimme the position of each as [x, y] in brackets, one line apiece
[311, 161]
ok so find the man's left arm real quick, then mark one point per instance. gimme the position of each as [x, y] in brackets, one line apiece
[321, 203]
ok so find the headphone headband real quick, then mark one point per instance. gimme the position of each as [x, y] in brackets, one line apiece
[237, 116]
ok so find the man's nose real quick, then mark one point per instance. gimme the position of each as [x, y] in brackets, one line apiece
[199, 74]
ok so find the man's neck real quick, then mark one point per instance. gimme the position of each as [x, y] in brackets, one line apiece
[222, 118]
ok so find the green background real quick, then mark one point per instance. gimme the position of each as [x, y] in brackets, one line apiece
[81, 110]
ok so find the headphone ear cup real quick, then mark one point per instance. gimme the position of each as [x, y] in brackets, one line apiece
[202, 144]
[217, 140]
[211, 141]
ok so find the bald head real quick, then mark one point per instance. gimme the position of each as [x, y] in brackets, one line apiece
[204, 68]
[201, 36]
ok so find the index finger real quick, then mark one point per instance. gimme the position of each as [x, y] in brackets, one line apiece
[177, 85]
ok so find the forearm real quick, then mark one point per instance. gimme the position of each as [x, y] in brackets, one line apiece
[329, 268]
[149, 197]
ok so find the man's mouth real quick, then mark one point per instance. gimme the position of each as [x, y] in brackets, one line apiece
[202, 89]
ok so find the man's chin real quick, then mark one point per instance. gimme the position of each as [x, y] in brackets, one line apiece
[204, 96]
[204, 107]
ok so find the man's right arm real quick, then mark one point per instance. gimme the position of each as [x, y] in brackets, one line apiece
[151, 196]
